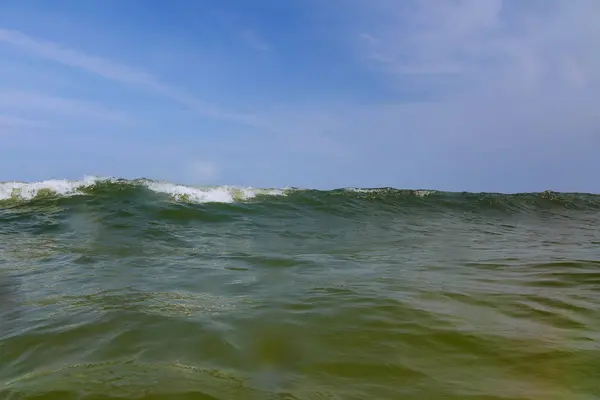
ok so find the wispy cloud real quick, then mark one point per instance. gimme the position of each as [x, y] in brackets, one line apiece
[265, 121]
[10, 121]
[112, 71]
[26, 101]
[58, 53]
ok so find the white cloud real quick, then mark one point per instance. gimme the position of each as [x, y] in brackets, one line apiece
[487, 44]
[507, 94]
[510, 71]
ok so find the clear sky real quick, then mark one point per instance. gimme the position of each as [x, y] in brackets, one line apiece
[478, 95]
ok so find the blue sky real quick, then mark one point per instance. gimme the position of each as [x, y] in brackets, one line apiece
[478, 95]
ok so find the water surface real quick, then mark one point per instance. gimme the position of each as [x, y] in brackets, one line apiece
[114, 289]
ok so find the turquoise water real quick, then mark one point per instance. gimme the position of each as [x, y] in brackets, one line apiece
[114, 289]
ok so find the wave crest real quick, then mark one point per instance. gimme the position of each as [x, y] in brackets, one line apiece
[27, 191]
[47, 188]
[217, 194]
[398, 199]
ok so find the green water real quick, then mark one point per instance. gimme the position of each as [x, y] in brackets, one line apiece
[147, 290]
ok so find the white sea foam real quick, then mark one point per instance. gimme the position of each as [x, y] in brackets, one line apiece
[215, 194]
[61, 187]
[29, 190]
[423, 193]
[360, 190]
[418, 193]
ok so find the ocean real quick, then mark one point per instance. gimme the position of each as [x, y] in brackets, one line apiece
[139, 289]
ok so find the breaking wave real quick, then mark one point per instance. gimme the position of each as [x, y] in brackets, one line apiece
[18, 193]
[25, 191]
